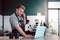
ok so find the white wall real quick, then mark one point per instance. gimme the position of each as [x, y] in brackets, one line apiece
[0, 21]
[32, 19]
[7, 25]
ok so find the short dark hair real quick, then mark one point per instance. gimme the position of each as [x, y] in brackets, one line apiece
[21, 6]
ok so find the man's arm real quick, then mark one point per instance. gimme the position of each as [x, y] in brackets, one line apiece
[24, 20]
[24, 17]
[22, 32]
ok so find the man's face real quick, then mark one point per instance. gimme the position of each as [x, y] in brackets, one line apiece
[20, 11]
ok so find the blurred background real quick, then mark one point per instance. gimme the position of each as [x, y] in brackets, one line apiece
[47, 11]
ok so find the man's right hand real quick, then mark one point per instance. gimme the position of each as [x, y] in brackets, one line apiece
[22, 32]
[28, 36]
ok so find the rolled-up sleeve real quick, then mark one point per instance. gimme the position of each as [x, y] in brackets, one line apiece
[13, 21]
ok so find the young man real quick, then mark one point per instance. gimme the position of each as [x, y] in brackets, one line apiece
[17, 20]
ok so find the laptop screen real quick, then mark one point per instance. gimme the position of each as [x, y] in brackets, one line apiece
[40, 31]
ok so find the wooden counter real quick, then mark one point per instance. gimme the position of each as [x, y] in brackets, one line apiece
[47, 37]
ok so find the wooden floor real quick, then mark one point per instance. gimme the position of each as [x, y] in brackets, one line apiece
[51, 37]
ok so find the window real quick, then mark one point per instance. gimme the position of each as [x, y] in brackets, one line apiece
[53, 4]
[53, 11]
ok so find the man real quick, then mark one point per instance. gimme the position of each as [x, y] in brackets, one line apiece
[17, 20]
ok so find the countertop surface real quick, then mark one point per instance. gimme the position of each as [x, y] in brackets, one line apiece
[47, 37]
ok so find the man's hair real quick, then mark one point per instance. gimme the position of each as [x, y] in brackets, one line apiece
[21, 6]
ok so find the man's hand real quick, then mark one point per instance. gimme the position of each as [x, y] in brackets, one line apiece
[23, 14]
[28, 36]
[24, 17]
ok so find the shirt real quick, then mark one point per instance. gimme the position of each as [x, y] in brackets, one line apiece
[15, 20]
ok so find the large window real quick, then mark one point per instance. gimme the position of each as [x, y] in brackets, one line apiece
[53, 16]
[53, 20]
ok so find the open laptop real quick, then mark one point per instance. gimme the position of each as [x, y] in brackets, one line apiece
[39, 34]
[40, 31]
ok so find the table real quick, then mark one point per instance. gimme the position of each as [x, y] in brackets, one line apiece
[47, 37]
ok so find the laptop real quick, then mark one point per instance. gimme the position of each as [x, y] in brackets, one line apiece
[40, 30]
[39, 34]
